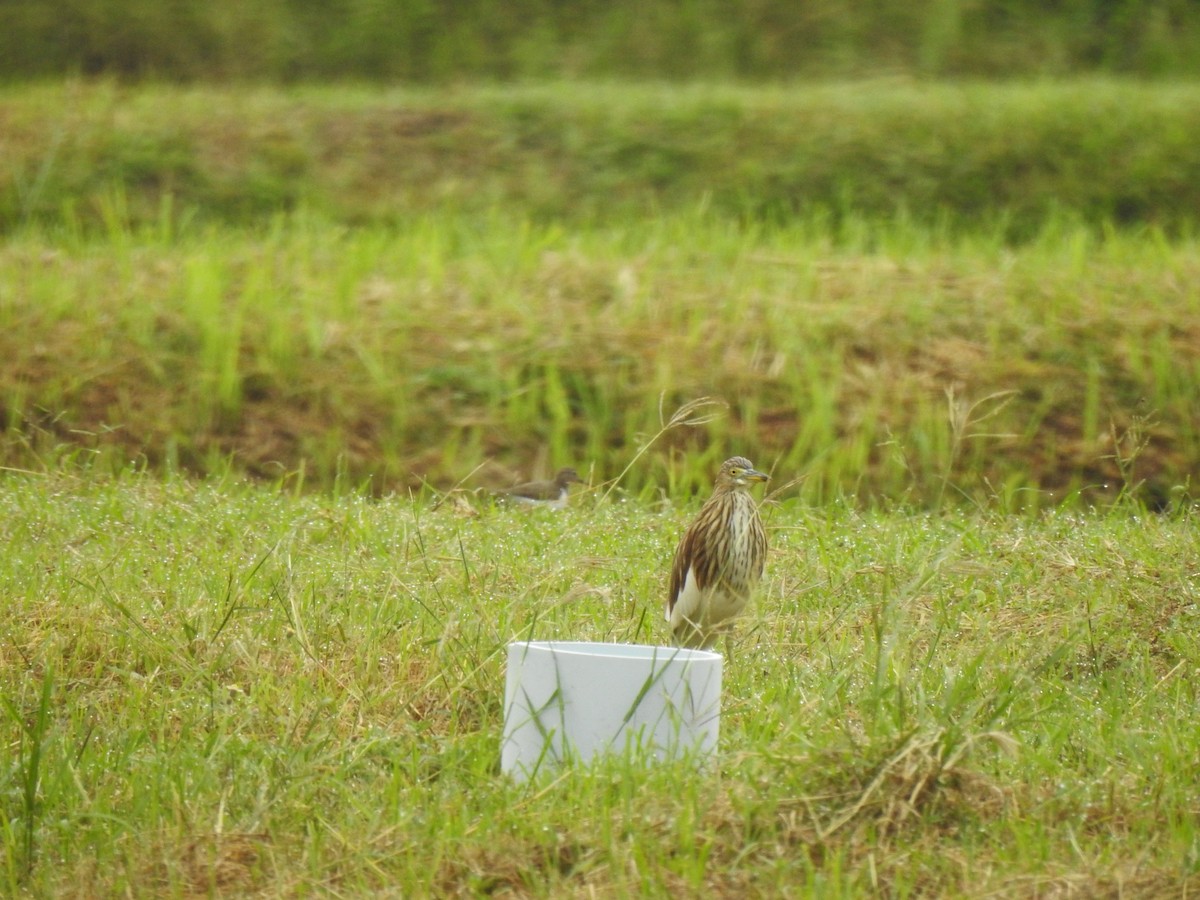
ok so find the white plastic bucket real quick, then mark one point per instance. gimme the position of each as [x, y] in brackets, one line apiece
[572, 700]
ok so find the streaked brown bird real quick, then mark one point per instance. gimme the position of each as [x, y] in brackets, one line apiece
[552, 493]
[720, 559]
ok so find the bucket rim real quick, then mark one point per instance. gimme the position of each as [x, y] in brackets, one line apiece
[612, 650]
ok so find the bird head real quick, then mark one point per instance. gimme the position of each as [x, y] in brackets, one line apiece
[739, 472]
[567, 476]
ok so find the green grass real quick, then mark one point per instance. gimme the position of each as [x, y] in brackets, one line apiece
[933, 292]
[221, 687]
[523, 39]
[972, 670]
[888, 361]
[969, 156]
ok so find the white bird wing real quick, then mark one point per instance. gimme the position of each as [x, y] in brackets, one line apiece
[687, 604]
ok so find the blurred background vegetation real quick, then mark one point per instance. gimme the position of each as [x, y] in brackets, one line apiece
[960, 157]
[287, 234]
[430, 41]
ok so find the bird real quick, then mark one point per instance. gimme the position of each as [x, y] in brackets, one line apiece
[719, 560]
[551, 493]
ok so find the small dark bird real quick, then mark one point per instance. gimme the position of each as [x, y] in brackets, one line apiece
[720, 559]
[544, 493]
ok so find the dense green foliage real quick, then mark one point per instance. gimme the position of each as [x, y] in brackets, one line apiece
[226, 689]
[995, 159]
[425, 41]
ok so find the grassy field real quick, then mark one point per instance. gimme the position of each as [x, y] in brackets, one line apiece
[226, 688]
[898, 365]
[263, 353]
[894, 297]
[1000, 160]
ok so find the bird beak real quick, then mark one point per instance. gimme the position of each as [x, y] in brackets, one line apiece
[755, 475]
